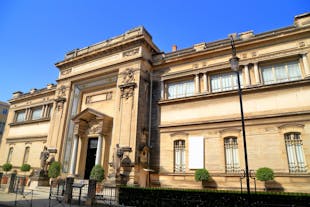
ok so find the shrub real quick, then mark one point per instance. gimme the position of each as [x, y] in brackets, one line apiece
[25, 167]
[97, 173]
[54, 170]
[264, 174]
[7, 167]
[202, 175]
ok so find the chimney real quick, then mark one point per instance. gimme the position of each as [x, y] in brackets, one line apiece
[33, 90]
[49, 86]
[174, 48]
[17, 94]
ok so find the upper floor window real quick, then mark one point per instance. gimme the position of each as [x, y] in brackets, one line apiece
[225, 81]
[231, 155]
[181, 89]
[295, 153]
[10, 154]
[20, 116]
[36, 113]
[179, 156]
[281, 72]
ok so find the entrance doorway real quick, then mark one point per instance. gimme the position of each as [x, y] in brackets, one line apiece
[91, 156]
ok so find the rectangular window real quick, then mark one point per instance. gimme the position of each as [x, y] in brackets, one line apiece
[179, 156]
[10, 154]
[20, 116]
[26, 155]
[231, 155]
[225, 81]
[295, 153]
[181, 89]
[281, 72]
[36, 113]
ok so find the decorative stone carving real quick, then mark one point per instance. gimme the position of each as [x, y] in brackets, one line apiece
[128, 76]
[99, 97]
[131, 52]
[301, 44]
[66, 71]
[60, 103]
[61, 91]
[127, 90]
[95, 127]
[254, 54]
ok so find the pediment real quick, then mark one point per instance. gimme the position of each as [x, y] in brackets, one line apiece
[89, 114]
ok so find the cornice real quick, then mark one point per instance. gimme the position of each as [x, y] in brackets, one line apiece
[223, 46]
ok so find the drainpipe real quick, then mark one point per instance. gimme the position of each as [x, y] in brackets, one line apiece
[150, 119]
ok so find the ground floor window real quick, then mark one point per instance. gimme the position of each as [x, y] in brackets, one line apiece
[26, 155]
[10, 154]
[179, 156]
[295, 153]
[231, 155]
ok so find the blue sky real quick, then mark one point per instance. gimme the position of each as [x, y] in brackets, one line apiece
[36, 34]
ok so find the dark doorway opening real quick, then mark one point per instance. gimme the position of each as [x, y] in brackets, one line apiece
[91, 156]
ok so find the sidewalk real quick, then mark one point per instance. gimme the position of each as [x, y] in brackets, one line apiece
[39, 198]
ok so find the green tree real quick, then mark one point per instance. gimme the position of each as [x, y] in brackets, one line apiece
[202, 175]
[97, 173]
[54, 170]
[7, 167]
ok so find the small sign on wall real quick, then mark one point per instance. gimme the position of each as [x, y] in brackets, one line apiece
[196, 152]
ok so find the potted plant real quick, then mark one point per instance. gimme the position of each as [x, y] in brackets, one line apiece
[6, 168]
[25, 168]
[203, 176]
[265, 174]
[97, 173]
[54, 171]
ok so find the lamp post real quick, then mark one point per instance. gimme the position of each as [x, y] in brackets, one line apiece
[234, 63]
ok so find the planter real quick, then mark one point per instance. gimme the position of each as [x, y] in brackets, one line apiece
[99, 187]
[4, 179]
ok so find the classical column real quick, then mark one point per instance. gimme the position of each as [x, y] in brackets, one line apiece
[99, 150]
[247, 75]
[205, 82]
[197, 83]
[306, 64]
[74, 154]
[256, 73]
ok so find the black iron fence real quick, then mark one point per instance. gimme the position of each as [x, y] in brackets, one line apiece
[173, 197]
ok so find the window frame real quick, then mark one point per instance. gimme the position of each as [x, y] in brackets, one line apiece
[275, 65]
[189, 90]
[10, 155]
[26, 155]
[17, 113]
[233, 81]
[179, 166]
[296, 161]
[233, 149]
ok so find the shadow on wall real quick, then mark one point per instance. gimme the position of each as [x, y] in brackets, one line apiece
[273, 186]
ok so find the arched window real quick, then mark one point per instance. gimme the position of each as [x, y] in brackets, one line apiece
[231, 155]
[295, 153]
[179, 156]
[26, 155]
[10, 154]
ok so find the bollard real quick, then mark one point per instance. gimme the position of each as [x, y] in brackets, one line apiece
[68, 190]
[91, 194]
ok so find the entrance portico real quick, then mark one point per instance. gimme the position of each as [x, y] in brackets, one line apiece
[93, 126]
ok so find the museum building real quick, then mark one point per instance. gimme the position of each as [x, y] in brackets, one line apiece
[152, 118]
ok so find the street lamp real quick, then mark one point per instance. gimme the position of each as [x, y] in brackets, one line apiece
[234, 63]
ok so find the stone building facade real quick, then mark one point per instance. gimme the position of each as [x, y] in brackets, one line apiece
[153, 118]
